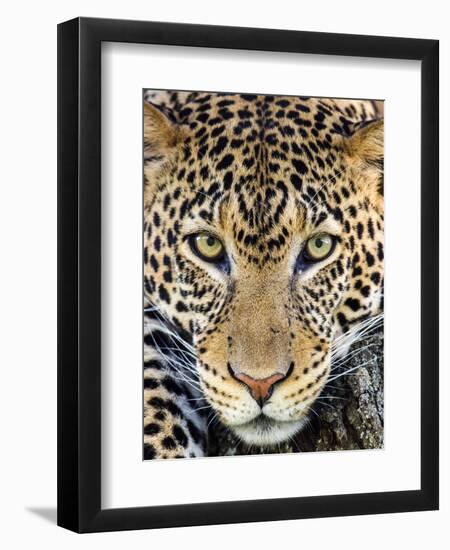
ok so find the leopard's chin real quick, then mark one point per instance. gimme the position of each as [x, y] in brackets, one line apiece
[265, 431]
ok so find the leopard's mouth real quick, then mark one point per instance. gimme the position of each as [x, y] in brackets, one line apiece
[266, 431]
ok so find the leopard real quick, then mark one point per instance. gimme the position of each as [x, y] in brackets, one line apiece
[263, 259]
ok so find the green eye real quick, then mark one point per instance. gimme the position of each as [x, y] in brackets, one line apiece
[207, 247]
[319, 247]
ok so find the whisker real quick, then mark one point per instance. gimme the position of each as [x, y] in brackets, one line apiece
[326, 405]
[179, 350]
[313, 411]
[369, 322]
[196, 399]
[214, 417]
[355, 333]
[351, 355]
[351, 370]
[336, 388]
[192, 411]
[333, 397]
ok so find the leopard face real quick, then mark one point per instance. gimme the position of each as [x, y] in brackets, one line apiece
[263, 234]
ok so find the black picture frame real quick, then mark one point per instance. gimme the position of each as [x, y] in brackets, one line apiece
[79, 274]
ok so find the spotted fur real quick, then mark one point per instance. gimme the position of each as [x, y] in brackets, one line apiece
[263, 174]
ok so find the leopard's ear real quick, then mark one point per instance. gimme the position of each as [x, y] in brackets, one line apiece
[364, 149]
[365, 141]
[161, 136]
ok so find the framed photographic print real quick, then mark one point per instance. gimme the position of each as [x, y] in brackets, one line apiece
[248, 275]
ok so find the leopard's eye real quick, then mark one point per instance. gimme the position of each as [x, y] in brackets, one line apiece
[207, 247]
[319, 247]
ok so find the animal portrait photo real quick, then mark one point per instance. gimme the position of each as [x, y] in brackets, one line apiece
[263, 274]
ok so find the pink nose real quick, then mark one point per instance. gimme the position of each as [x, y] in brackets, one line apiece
[260, 388]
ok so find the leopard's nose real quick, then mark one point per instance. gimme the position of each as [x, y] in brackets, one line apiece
[260, 388]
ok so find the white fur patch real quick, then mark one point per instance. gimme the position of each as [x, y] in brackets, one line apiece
[270, 434]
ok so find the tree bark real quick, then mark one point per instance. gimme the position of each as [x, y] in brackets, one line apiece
[349, 414]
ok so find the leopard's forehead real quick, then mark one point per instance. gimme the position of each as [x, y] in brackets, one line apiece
[263, 132]
[259, 164]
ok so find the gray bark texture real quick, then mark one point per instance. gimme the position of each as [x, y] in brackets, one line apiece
[349, 413]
